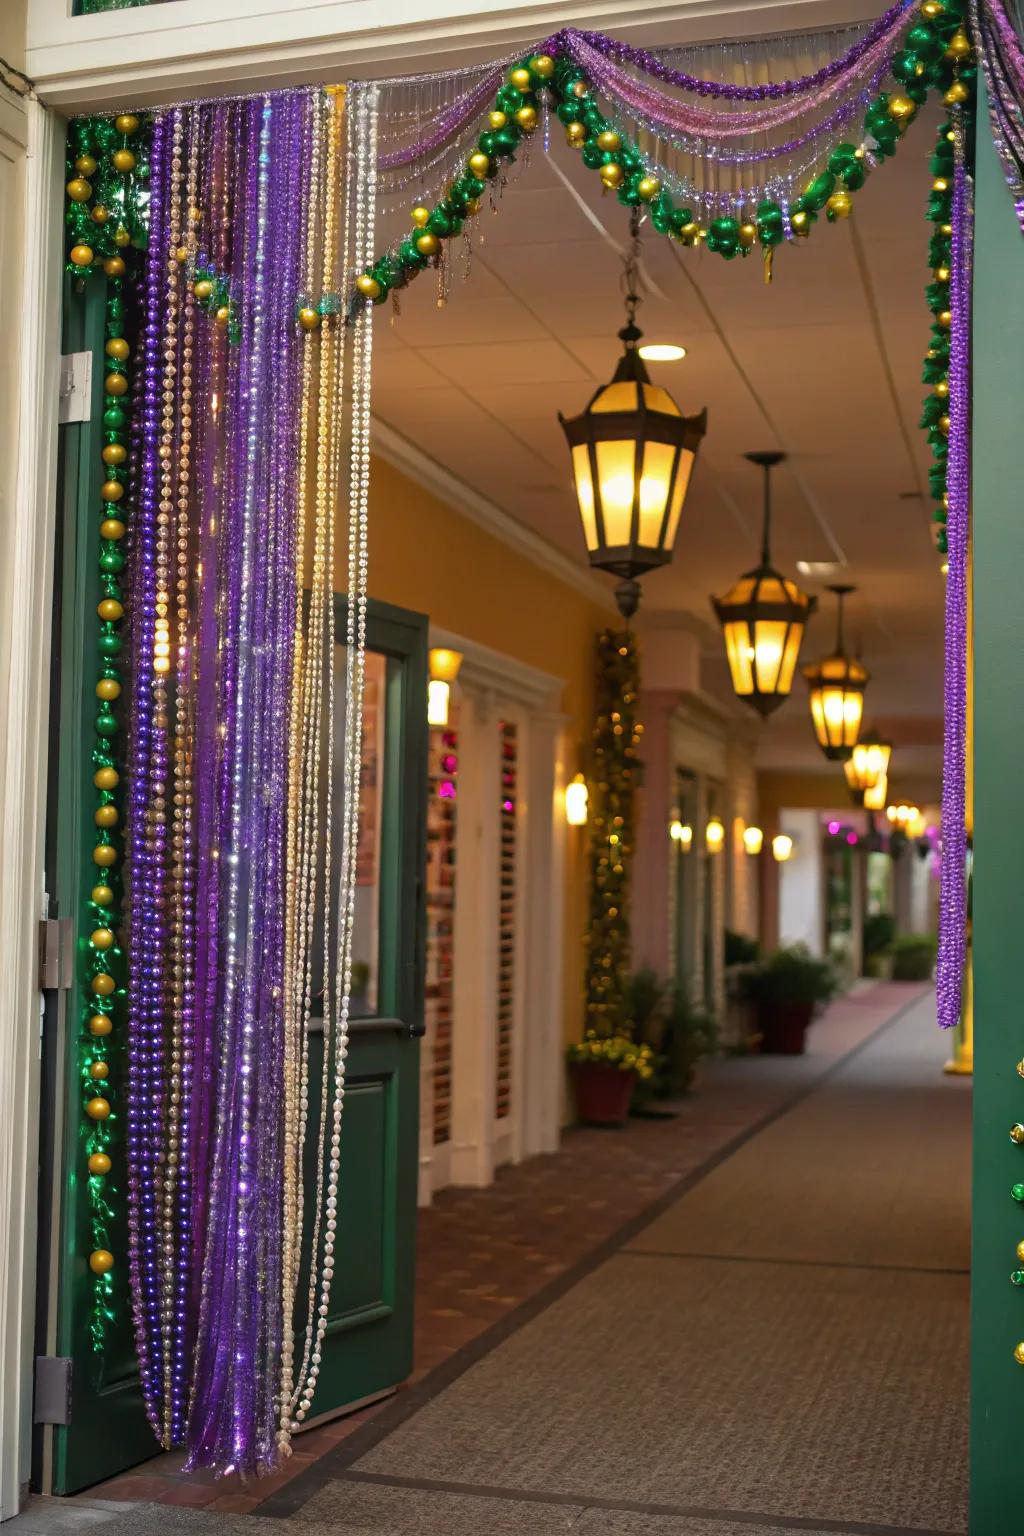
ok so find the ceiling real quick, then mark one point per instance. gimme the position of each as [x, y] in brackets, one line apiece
[823, 363]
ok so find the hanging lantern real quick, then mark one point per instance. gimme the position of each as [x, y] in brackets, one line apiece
[867, 763]
[837, 686]
[877, 795]
[633, 453]
[763, 618]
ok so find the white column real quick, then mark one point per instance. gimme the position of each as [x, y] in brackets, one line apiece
[474, 1036]
[538, 1086]
[30, 257]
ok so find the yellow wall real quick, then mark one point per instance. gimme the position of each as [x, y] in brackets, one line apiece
[425, 556]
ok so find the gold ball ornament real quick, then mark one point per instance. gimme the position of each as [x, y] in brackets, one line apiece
[1018, 1353]
[368, 286]
[945, 229]
[99, 214]
[112, 528]
[520, 78]
[82, 255]
[611, 174]
[181, 255]
[112, 490]
[309, 318]
[101, 895]
[941, 390]
[101, 1261]
[575, 134]
[1017, 1134]
[108, 688]
[840, 205]
[959, 47]
[1020, 1249]
[901, 109]
[115, 384]
[690, 233]
[114, 453]
[473, 206]
[526, 117]
[748, 235]
[580, 89]
[100, 1025]
[957, 94]
[97, 1109]
[480, 165]
[86, 165]
[104, 854]
[79, 190]
[932, 8]
[117, 347]
[543, 66]
[121, 236]
[800, 224]
[99, 1163]
[940, 184]
[110, 610]
[944, 319]
[203, 289]
[102, 938]
[99, 1071]
[941, 274]
[420, 215]
[126, 123]
[648, 188]
[428, 244]
[609, 141]
[123, 160]
[495, 120]
[223, 315]
[103, 985]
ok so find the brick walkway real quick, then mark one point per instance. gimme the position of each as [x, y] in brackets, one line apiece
[483, 1253]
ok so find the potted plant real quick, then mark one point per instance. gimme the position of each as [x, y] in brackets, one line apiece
[604, 1070]
[786, 987]
[913, 957]
[879, 929]
[662, 1017]
[739, 1027]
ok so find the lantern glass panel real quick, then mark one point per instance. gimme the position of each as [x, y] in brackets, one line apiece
[655, 480]
[585, 493]
[616, 468]
[790, 655]
[769, 650]
[740, 655]
[683, 473]
[876, 796]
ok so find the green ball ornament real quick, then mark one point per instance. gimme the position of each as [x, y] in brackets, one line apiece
[680, 218]
[509, 99]
[819, 192]
[1018, 1193]
[724, 237]
[508, 139]
[111, 559]
[114, 418]
[488, 142]
[110, 646]
[770, 229]
[592, 155]
[410, 257]
[925, 42]
[106, 725]
[569, 111]
[1017, 1278]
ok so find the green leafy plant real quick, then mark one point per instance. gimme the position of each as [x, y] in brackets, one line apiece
[913, 956]
[879, 931]
[662, 1017]
[740, 948]
[791, 975]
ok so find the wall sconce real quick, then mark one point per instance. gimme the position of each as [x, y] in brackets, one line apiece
[682, 833]
[714, 835]
[444, 669]
[753, 840]
[576, 797]
[782, 847]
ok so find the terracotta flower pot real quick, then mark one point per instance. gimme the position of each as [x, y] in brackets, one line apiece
[784, 1027]
[603, 1093]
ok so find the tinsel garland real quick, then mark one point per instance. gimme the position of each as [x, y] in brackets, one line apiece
[558, 78]
[614, 775]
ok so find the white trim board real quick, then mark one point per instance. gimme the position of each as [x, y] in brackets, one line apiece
[404, 456]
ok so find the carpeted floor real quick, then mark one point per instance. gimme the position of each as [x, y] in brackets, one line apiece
[783, 1348]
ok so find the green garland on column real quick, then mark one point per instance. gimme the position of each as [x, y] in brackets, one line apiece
[106, 227]
[611, 830]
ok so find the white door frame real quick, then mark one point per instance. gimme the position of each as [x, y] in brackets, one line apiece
[491, 685]
[31, 143]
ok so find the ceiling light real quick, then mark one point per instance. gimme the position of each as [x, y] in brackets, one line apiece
[819, 568]
[662, 352]
[837, 684]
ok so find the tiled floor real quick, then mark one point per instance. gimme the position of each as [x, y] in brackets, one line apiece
[484, 1253]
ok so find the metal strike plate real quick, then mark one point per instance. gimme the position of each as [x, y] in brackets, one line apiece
[53, 1390]
[56, 954]
[75, 387]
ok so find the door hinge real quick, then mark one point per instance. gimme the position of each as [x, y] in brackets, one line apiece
[56, 954]
[53, 1390]
[75, 402]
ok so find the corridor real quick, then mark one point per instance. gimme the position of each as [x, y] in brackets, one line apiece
[777, 1342]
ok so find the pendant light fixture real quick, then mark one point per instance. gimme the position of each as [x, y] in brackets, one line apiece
[837, 684]
[633, 453]
[763, 618]
[867, 763]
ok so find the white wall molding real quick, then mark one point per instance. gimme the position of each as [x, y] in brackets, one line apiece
[487, 673]
[26, 608]
[398, 451]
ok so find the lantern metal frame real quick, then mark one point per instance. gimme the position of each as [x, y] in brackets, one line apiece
[754, 609]
[837, 673]
[642, 425]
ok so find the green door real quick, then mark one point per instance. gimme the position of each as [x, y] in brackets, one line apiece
[370, 1341]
